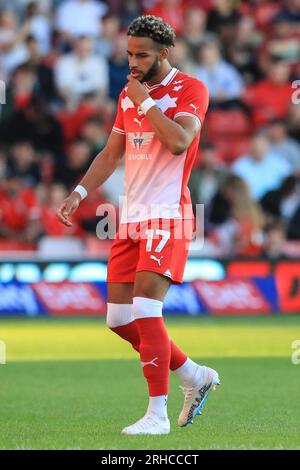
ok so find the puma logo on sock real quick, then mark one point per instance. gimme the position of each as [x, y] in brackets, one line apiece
[151, 363]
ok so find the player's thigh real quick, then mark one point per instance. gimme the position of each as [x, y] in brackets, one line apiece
[120, 292]
[151, 285]
[122, 264]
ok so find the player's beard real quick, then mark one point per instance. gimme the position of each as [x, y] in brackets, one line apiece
[151, 72]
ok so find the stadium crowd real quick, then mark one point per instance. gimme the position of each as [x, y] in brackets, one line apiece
[64, 63]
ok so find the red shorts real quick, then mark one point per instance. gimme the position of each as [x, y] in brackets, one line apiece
[158, 245]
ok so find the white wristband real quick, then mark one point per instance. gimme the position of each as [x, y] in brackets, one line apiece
[147, 104]
[82, 191]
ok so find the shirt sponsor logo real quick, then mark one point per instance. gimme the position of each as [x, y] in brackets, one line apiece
[140, 156]
[138, 140]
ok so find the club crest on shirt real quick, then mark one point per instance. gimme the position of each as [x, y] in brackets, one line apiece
[139, 140]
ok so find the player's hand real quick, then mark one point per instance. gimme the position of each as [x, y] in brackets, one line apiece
[67, 208]
[136, 91]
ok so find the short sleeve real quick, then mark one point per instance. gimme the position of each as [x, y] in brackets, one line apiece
[193, 101]
[119, 121]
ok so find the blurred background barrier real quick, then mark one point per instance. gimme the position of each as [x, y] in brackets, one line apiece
[234, 287]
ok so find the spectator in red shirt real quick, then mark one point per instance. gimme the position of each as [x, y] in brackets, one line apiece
[171, 11]
[22, 85]
[85, 220]
[18, 210]
[86, 217]
[270, 98]
[49, 198]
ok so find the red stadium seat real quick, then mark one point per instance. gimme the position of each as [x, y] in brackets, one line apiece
[231, 123]
[10, 245]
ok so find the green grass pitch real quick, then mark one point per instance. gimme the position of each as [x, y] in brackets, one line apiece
[72, 384]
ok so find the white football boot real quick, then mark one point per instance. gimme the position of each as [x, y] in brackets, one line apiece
[149, 424]
[195, 396]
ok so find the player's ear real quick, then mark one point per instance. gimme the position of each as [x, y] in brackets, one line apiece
[164, 52]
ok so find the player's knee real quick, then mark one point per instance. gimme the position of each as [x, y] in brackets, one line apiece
[145, 288]
[118, 315]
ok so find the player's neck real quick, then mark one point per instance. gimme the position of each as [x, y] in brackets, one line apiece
[164, 70]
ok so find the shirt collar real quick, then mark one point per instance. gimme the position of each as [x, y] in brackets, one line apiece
[168, 78]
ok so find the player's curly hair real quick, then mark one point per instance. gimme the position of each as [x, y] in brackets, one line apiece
[153, 27]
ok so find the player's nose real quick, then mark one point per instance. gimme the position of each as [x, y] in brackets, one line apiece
[133, 63]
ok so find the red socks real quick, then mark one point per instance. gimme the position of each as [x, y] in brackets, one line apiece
[148, 335]
[155, 353]
[178, 357]
[130, 333]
